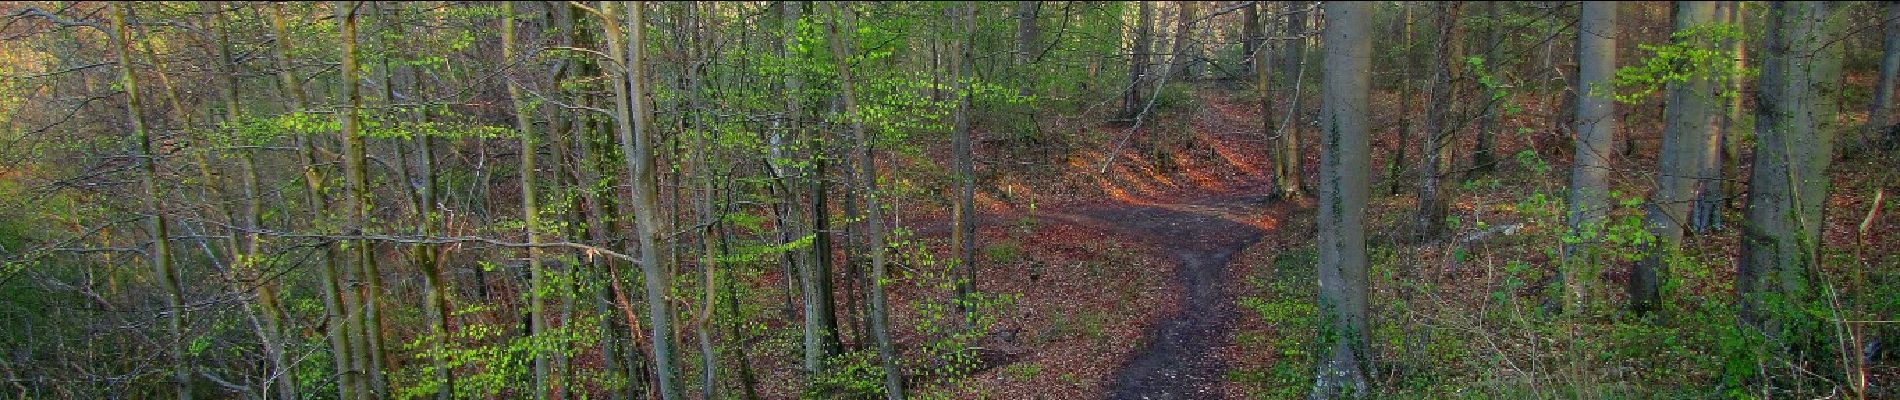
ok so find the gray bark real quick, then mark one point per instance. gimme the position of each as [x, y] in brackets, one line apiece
[1788, 181]
[1287, 175]
[1596, 128]
[1880, 112]
[637, 138]
[1344, 161]
[1687, 129]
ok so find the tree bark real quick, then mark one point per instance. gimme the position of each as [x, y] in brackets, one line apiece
[874, 224]
[1288, 177]
[1596, 128]
[637, 138]
[1781, 240]
[1880, 111]
[1482, 160]
[964, 238]
[1687, 124]
[1141, 55]
[530, 214]
[356, 174]
[270, 306]
[350, 383]
[1344, 162]
[161, 256]
[1434, 186]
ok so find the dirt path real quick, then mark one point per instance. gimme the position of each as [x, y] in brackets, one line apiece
[1179, 357]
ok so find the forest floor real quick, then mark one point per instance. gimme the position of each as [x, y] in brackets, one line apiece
[1164, 223]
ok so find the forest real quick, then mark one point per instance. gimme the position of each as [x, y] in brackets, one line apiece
[949, 200]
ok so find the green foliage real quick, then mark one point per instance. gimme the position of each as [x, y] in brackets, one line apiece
[1695, 53]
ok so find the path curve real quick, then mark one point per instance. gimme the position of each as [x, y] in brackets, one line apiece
[1179, 357]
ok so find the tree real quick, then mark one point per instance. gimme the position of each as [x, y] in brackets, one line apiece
[161, 255]
[1139, 57]
[964, 166]
[634, 123]
[1287, 173]
[530, 214]
[1182, 54]
[1781, 237]
[874, 226]
[1715, 189]
[1434, 188]
[1482, 160]
[1880, 111]
[1596, 127]
[1344, 161]
[1687, 130]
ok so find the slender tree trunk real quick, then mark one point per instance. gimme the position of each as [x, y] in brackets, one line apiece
[1719, 169]
[1482, 160]
[637, 139]
[1395, 167]
[1687, 129]
[1434, 187]
[1139, 59]
[356, 174]
[874, 223]
[1252, 37]
[530, 211]
[1263, 85]
[964, 238]
[284, 378]
[1880, 111]
[1288, 176]
[350, 383]
[161, 256]
[1596, 129]
[1345, 158]
[1182, 52]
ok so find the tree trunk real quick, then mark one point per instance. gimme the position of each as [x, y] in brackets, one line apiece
[530, 214]
[1395, 167]
[1028, 34]
[161, 256]
[1434, 188]
[1345, 158]
[1182, 53]
[1263, 85]
[1718, 169]
[1686, 142]
[1482, 160]
[1596, 128]
[637, 147]
[874, 223]
[1252, 36]
[1140, 56]
[270, 306]
[1880, 111]
[1288, 177]
[1788, 182]
[962, 150]
[350, 383]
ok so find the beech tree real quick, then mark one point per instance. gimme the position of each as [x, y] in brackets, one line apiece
[1345, 156]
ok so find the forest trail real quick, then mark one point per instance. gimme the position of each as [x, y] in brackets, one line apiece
[1178, 358]
[1179, 355]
